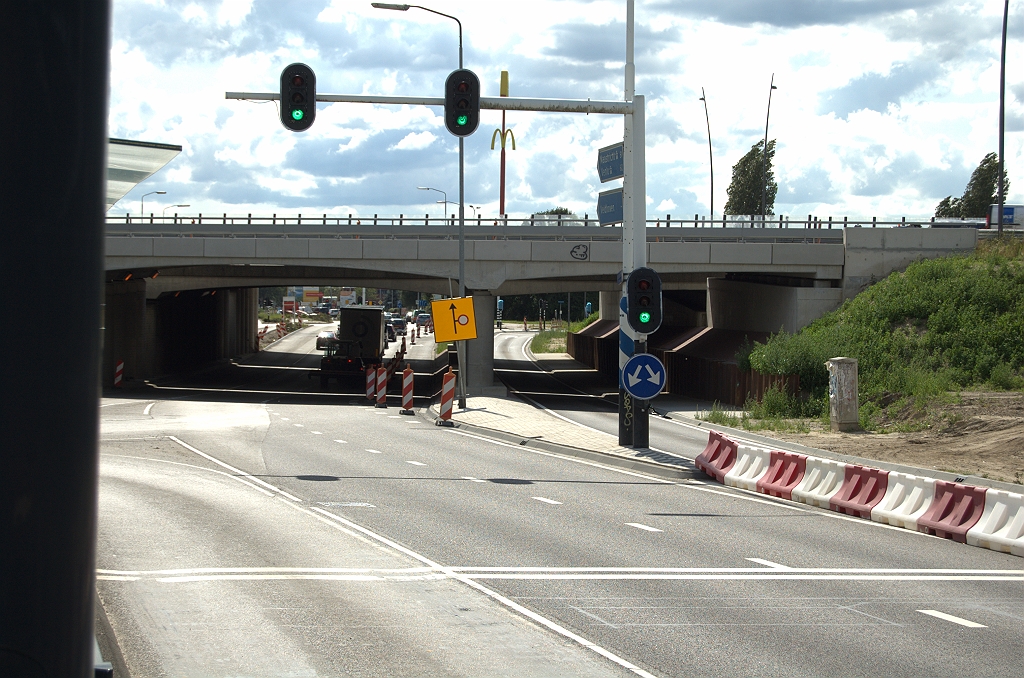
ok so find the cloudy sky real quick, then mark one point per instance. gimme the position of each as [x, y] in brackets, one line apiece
[883, 107]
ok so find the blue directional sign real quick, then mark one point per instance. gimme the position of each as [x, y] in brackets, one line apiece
[643, 376]
[610, 162]
[609, 207]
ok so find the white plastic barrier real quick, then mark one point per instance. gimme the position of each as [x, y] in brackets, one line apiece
[751, 464]
[1001, 527]
[822, 479]
[906, 499]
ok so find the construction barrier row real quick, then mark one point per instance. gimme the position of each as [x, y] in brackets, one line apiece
[978, 516]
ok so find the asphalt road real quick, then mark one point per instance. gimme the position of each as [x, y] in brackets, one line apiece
[264, 529]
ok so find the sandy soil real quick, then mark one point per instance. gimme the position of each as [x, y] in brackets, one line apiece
[982, 435]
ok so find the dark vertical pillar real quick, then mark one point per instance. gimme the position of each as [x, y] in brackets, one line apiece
[53, 141]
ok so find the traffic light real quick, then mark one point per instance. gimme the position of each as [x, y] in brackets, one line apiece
[462, 102]
[643, 300]
[298, 97]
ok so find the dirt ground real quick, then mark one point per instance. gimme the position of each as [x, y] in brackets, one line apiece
[982, 435]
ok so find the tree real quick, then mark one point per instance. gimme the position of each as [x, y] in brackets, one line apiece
[980, 192]
[745, 190]
[557, 210]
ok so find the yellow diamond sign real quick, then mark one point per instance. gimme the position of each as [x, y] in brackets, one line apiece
[453, 319]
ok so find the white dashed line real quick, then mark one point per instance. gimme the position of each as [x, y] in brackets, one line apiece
[299, 425]
[416, 463]
[547, 501]
[285, 419]
[768, 563]
[316, 433]
[641, 526]
[475, 480]
[951, 618]
[393, 416]
[374, 451]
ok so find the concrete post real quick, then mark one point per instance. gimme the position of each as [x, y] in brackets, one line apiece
[843, 401]
[608, 305]
[480, 351]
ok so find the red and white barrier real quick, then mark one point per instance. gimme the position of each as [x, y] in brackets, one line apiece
[1001, 527]
[412, 338]
[407, 390]
[119, 374]
[382, 387]
[447, 395]
[403, 346]
[371, 383]
[906, 499]
[979, 516]
[751, 464]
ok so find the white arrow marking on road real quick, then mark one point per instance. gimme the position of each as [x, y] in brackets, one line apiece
[655, 377]
[635, 377]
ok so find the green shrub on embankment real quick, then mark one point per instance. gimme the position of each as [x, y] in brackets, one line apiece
[942, 325]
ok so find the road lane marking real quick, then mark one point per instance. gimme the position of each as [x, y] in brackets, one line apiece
[201, 468]
[285, 419]
[149, 407]
[475, 480]
[340, 441]
[956, 620]
[594, 616]
[641, 526]
[374, 451]
[232, 468]
[299, 425]
[393, 416]
[316, 433]
[416, 463]
[530, 614]
[768, 563]
[546, 500]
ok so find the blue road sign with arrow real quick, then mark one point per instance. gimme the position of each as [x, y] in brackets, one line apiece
[643, 376]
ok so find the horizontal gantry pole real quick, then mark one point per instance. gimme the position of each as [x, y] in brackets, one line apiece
[487, 103]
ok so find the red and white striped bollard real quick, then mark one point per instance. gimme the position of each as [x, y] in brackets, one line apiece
[118, 374]
[407, 390]
[382, 387]
[447, 398]
[371, 383]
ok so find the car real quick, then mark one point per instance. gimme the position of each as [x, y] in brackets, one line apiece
[423, 319]
[325, 338]
[390, 329]
[399, 325]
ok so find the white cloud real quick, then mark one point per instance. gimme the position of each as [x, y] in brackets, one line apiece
[414, 141]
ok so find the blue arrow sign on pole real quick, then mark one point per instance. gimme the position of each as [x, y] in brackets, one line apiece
[611, 162]
[609, 207]
[643, 376]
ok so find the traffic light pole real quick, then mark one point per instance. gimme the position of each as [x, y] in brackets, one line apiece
[460, 346]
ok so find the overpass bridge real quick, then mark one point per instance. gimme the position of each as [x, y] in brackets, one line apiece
[183, 290]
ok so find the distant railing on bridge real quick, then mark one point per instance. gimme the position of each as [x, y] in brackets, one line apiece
[532, 227]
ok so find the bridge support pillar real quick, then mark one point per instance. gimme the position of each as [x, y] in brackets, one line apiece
[124, 314]
[608, 305]
[480, 351]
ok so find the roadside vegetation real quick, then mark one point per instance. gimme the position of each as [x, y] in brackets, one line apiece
[920, 337]
[554, 340]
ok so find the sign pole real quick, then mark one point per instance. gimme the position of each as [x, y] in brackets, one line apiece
[627, 416]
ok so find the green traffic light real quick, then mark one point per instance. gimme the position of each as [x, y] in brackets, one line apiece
[462, 120]
[645, 317]
[297, 114]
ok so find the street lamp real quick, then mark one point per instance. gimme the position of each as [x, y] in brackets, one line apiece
[1002, 117]
[428, 188]
[142, 201]
[164, 212]
[462, 189]
[711, 157]
[764, 158]
[474, 208]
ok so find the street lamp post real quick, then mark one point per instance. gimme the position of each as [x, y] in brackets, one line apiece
[764, 158]
[142, 201]
[438, 190]
[460, 346]
[474, 208]
[1002, 117]
[163, 214]
[711, 157]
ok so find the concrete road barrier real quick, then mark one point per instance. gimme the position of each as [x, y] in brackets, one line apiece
[751, 464]
[954, 510]
[906, 499]
[718, 457]
[862, 489]
[785, 471]
[1001, 527]
[822, 480]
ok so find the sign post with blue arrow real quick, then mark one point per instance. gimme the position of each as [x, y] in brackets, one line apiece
[643, 376]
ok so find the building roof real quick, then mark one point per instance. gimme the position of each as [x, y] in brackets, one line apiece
[129, 163]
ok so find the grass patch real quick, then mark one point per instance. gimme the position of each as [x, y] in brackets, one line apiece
[719, 415]
[548, 341]
[942, 325]
[440, 348]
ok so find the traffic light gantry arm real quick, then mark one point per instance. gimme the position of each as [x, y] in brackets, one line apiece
[487, 103]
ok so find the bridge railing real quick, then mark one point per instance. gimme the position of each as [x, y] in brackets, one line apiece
[534, 227]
